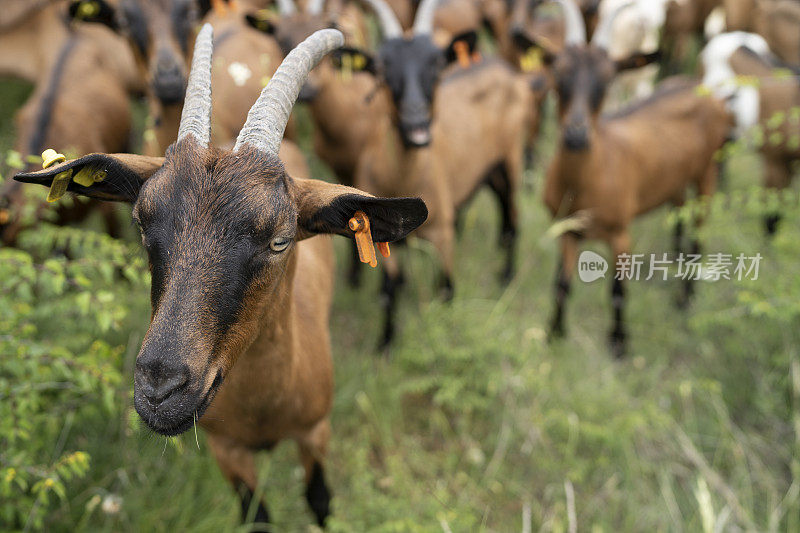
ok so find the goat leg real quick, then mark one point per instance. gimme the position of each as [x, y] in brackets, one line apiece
[569, 257]
[500, 182]
[618, 334]
[312, 453]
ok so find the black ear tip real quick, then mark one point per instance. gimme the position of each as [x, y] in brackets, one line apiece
[418, 211]
[27, 177]
[413, 213]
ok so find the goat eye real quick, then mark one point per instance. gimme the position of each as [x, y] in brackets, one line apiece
[279, 244]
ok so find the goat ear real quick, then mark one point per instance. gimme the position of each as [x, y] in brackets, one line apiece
[540, 47]
[637, 60]
[112, 177]
[327, 208]
[470, 38]
[355, 59]
[262, 21]
[98, 11]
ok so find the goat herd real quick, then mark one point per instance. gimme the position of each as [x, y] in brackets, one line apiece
[411, 128]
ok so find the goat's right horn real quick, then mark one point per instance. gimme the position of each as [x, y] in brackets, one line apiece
[390, 26]
[286, 8]
[575, 28]
[602, 35]
[267, 119]
[314, 7]
[196, 114]
[423, 21]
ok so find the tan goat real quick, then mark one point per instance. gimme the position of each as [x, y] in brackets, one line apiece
[740, 68]
[238, 338]
[80, 88]
[442, 140]
[778, 21]
[33, 32]
[615, 168]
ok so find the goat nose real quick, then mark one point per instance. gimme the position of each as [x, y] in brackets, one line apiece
[576, 137]
[159, 383]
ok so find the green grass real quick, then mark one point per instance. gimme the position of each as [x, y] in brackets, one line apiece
[475, 423]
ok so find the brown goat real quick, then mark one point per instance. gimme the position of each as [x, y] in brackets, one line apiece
[81, 88]
[442, 140]
[771, 105]
[615, 168]
[685, 20]
[533, 22]
[244, 60]
[739, 14]
[33, 33]
[238, 338]
[342, 98]
[778, 21]
[159, 34]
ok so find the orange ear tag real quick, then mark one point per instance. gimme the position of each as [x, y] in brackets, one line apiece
[363, 235]
[461, 48]
[219, 7]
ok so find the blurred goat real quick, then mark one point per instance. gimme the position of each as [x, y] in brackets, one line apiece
[238, 339]
[80, 107]
[442, 140]
[741, 69]
[617, 167]
[685, 21]
[159, 34]
[778, 21]
[32, 35]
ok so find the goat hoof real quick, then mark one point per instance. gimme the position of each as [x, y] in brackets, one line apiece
[619, 347]
[507, 275]
[446, 294]
[556, 333]
[354, 278]
[385, 344]
[771, 224]
[446, 290]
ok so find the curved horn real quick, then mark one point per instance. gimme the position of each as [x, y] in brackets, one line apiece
[196, 114]
[390, 26]
[575, 29]
[267, 119]
[602, 35]
[314, 7]
[423, 21]
[286, 8]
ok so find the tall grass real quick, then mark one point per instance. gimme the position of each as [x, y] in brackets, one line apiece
[474, 422]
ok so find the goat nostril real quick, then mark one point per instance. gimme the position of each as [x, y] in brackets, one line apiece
[158, 390]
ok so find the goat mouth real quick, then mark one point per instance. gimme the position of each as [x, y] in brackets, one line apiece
[185, 424]
[418, 136]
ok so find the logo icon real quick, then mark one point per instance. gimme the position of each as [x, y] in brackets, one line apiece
[591, 266]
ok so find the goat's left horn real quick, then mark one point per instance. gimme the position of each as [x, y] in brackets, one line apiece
[267, 119]
[286, 8]
[314, 7]
[196, 115]
[423, 21]
[574, 26]
[602, 35]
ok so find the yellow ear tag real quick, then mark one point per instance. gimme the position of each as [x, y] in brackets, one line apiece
[87, 10]
[60, 183]
[532, 60]
[363, 235]
[359, 62]
[347, 67]
[88, 177]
